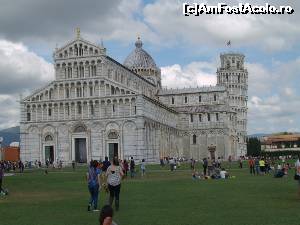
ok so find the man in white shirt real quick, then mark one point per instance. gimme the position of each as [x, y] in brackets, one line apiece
[223, 173]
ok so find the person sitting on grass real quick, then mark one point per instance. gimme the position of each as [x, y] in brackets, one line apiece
[279, 173]
[106, 216]
[224, 174]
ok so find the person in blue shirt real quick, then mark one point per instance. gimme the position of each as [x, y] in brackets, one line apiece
[93, 179]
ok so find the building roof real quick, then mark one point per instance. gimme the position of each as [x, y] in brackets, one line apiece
[282, 138]
[139, 58]
[203, 89]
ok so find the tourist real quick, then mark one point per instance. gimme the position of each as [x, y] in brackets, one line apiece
[230, 161]
[192, 164]
[262, 165]
[218, 162]
[209, 166]
[162, 163]
[114, 174]
[143, 167]
[297, 173]
[224, 174]
[21, 166]
[132, 167]
[73, 165]
[1, 175]
[279, 172]
[251, 164]
[256, 163]
[241, 162]
[267, 166]
[125, 167]
[106, 164]
[106, 216]
[93, 179]
[205, 163]
[172, 164]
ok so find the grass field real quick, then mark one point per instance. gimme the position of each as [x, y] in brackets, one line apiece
[161, 198]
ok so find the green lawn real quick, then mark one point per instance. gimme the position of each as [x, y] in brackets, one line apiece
[161, 198]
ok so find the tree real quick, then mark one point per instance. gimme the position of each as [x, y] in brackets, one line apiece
[253, 146]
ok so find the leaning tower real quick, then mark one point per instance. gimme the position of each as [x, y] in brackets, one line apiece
[233, 75]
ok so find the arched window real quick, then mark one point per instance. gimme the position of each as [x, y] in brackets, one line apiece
[194, 139]
[215, 97]
[48, 138]
[79, 129]
[185, 99]
[28, 116]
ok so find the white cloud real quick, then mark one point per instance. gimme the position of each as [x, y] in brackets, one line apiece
[20, 72]
[21, 69]
[192, 75]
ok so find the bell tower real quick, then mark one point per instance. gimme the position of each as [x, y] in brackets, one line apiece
[233, 75]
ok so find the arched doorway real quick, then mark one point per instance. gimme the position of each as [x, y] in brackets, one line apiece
[79, 144]
[113, 145]
[49, 149]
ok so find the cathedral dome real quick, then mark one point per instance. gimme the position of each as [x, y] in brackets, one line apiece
[139, 58]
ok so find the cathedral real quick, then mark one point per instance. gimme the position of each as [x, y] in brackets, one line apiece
[98, 107]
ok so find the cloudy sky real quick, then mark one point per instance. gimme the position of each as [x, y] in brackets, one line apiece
[186, 48]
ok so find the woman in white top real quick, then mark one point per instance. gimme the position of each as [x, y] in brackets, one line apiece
[114, 175]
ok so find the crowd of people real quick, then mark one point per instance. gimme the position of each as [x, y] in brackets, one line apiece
[9, 166]
[264, 165]
[211, 169]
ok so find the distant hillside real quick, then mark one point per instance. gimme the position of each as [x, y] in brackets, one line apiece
[10, 135]
[258, 135]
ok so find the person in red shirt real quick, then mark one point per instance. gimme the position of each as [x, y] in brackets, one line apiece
[251, 164]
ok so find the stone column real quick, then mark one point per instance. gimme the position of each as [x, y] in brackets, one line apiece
[58, 91]
[47, 112]
[88, 108]
[36, 113]
[81, 106]
[42, 112]
[64, 106]
[99, 84]
[75, 109]
[58, 111]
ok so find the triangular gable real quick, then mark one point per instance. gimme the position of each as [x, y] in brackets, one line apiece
[82, 41]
